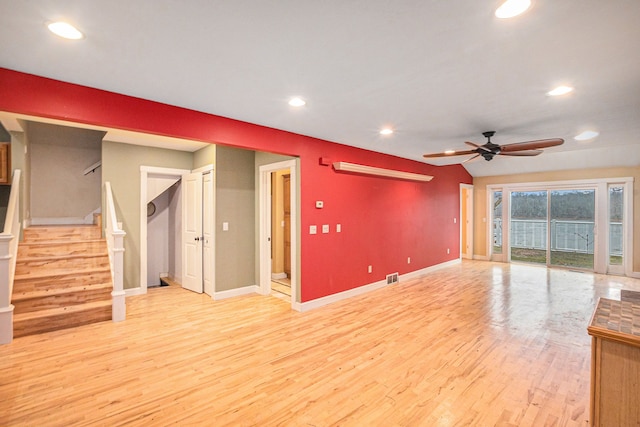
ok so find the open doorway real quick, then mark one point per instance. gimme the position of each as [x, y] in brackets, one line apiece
[278, 233]
[166, 242]
[466, 221]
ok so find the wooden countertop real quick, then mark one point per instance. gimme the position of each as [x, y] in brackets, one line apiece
[617, 320]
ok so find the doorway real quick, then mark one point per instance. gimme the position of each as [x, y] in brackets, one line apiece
[196, 271]
[278, 226]
[466, 221]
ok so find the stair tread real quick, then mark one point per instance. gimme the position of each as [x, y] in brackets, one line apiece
[53, 291]
[18, 317]
[60, 242]
[60, 257]
[49, 274]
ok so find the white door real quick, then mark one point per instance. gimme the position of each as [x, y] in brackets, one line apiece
[192, 236]
[207, 232]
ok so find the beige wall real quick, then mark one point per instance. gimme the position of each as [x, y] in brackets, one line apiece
[59, 156]
[235, 204]
[204, 156]
[480, 199]
[121, 166]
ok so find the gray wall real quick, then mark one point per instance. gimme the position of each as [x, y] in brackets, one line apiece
[59, 155]
[235, 203]
[121, 166]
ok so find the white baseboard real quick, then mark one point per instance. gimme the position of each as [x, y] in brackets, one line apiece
[277, 276]
[134, 291]
[253, 289]
[329, 299]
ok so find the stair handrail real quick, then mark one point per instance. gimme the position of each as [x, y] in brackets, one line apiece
[114, 235]
[9, 239]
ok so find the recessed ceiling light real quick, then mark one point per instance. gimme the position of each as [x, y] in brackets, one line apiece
[511, 8]
[386, 131]
[297, 102]
[560, 90]
[450, 152]
[65, 30]
[586, 135]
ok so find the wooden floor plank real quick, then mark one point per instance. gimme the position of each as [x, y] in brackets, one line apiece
[478, 343]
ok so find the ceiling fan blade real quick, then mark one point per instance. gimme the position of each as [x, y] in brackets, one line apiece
[457, 153]
[531, 145]
[470, 159]
[481, 147]
[522, 153]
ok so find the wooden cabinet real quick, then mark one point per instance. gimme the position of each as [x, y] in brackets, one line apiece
[615, 362]
[5, 163]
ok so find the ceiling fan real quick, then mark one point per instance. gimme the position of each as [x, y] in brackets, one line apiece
[489, 149]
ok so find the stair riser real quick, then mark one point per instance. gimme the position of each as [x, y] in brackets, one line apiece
[62, 279]
[61, 300]
[59, 282]
[59, 266]
[35, 234]
[61, 321]
[59, 249]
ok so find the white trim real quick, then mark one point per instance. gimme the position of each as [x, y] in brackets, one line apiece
[278, 276]
[135, 291]
[231, 293]
[552, 185]
[264, 233]
[164, 171]
[204, 169]
[330, 299]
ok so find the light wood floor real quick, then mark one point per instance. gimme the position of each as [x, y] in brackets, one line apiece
[477, 344]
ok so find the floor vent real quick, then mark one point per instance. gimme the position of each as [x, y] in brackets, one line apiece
[392, 278]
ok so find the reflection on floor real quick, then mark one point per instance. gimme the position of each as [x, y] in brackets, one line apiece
[472, 344]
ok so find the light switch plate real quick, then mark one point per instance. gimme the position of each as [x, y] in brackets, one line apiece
[325, 228]
[313, 229]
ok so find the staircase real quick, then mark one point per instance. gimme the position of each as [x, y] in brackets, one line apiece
[62, 279]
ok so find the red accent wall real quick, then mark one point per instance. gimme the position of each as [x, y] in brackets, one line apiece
[383, 220]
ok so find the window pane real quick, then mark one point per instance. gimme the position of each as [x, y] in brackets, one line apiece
[572, 222]
[497, 222]
[528, 237]
[616, 233]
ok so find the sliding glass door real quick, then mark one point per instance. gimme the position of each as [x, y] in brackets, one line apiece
[571, 228]
[528, 226]
[574, 224]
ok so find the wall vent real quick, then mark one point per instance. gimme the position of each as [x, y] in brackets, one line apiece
[392, 278]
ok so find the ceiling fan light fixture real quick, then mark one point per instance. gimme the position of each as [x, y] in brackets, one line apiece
[65, 30]
[586, 135]
[512, 8]
[560, 90]
[297, 102]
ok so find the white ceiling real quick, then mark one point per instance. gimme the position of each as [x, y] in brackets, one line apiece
[438, 72]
